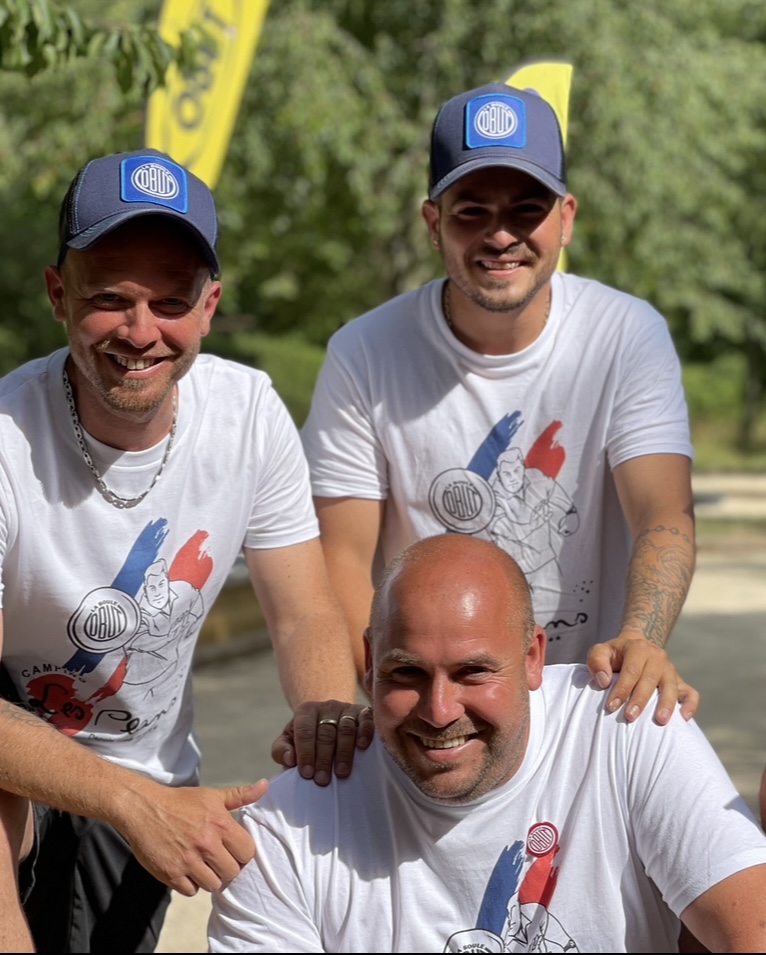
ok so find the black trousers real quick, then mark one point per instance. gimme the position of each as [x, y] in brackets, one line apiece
[84, 891]
[81, 886]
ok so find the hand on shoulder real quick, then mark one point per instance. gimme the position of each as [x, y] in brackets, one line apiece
[322, 737]
[642, 668]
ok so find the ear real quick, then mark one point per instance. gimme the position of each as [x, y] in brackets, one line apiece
[54, 283]
[367, 679]
[568, 212]
[430, 212]
[535, 658]
[212, 297]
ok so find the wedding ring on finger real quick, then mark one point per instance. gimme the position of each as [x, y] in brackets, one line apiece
[348, 716]
[327, 720]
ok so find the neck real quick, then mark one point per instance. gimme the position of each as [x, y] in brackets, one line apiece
[495, 333]
[124, 430]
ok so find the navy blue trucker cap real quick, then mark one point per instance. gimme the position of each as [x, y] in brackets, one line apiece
[111, 190]
[496, 125]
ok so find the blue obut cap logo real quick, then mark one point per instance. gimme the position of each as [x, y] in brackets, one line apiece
[496, 120]
[152, 179]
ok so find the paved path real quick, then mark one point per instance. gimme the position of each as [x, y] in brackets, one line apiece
[719, 645]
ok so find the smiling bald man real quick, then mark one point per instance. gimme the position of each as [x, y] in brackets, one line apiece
[499, 808]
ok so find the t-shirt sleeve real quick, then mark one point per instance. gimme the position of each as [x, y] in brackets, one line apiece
[264, 909]
[282, 512]
[650, 414]
[692, 827]
[340, 438]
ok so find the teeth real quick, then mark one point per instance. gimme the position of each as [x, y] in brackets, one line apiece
[134, 364]
[443, 743]
[501, 266]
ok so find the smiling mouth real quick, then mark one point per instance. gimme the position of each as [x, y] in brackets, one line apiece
[452, 743]
[134, 364]
[493, 266]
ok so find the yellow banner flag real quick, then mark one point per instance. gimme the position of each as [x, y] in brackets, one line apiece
[191, 118]
[553, 81]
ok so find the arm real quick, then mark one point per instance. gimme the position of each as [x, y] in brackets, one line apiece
[695, 836]
[184, 836]
[314, 659]
[728, 917]
[656, 498]
[307, 629]
[16, 837]
[350, 530]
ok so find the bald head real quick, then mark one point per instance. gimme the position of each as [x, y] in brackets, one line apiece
[455, 567]
[452, 654]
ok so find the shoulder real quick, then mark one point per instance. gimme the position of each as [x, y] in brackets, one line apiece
[33, 375]
[611, 325]
[31, 397]
[595, 298]
[573, 700]
[228, 398]
[296, 808]
[219, 373]
[227, 383]
[567, 685]
[574, 710]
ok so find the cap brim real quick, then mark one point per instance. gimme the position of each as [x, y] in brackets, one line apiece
[486, 162]
[88, 237]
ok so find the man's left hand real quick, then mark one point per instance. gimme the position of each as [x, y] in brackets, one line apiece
[643, 668]
[323, 736]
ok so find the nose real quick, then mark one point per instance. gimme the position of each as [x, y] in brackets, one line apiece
[440, 703]
[140, 326]
[501, 233]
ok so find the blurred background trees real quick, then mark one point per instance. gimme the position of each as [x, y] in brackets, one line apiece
[320, 193]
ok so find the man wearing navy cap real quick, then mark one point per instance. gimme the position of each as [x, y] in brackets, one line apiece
[133, 472]
[421, 400]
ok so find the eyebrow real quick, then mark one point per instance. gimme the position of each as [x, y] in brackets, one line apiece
[401, 656]
[411, 659]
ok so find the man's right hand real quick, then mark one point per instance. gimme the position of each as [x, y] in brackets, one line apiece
[186, 836]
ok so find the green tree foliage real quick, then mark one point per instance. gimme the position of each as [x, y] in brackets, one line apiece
[38, 35]
[321, 189]
[666, 145]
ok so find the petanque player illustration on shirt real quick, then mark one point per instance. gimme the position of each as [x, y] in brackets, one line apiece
[520, 921]
[514, 499]
[130, 640]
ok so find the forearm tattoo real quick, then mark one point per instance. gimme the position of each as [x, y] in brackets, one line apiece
[659, 577]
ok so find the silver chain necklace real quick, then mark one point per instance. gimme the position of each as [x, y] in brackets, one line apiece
[108, 495]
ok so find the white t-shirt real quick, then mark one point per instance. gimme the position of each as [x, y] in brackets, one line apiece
[606, 833]
[518, 449]
[102, 607]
